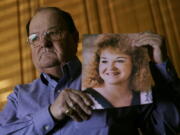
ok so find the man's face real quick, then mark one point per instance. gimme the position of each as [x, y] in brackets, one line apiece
[47, 53]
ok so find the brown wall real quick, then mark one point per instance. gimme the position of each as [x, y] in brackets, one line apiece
[91, 16]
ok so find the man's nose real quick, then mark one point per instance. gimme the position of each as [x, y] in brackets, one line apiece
[45, 42]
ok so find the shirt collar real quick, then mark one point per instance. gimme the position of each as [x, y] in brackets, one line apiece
[71, 68]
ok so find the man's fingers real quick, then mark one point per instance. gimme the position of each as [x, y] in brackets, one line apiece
[79, 101]
[75, 116]
[73, 104]
[84, 97]
[70, 102]
[148, 41]
[77, 113]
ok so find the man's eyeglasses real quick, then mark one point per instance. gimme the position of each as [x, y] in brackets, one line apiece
[51, 35]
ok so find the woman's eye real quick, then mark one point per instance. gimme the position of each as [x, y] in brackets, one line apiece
[120, 61]
[104, 61]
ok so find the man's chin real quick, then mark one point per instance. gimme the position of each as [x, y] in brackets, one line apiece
[49, 64]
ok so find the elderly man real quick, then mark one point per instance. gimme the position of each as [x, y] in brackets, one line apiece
[41, 107]
[32, 108]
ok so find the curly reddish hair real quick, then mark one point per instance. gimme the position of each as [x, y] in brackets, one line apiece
[141, 78]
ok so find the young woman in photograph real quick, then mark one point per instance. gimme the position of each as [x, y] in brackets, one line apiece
[115, 79]
[118, 72]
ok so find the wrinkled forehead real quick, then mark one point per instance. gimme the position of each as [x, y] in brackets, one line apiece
[45, 19]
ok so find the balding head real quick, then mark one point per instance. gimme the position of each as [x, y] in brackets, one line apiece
[60, 14]
[49, 52]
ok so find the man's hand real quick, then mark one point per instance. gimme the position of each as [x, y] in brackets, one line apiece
[72, 103]
[156, 42]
